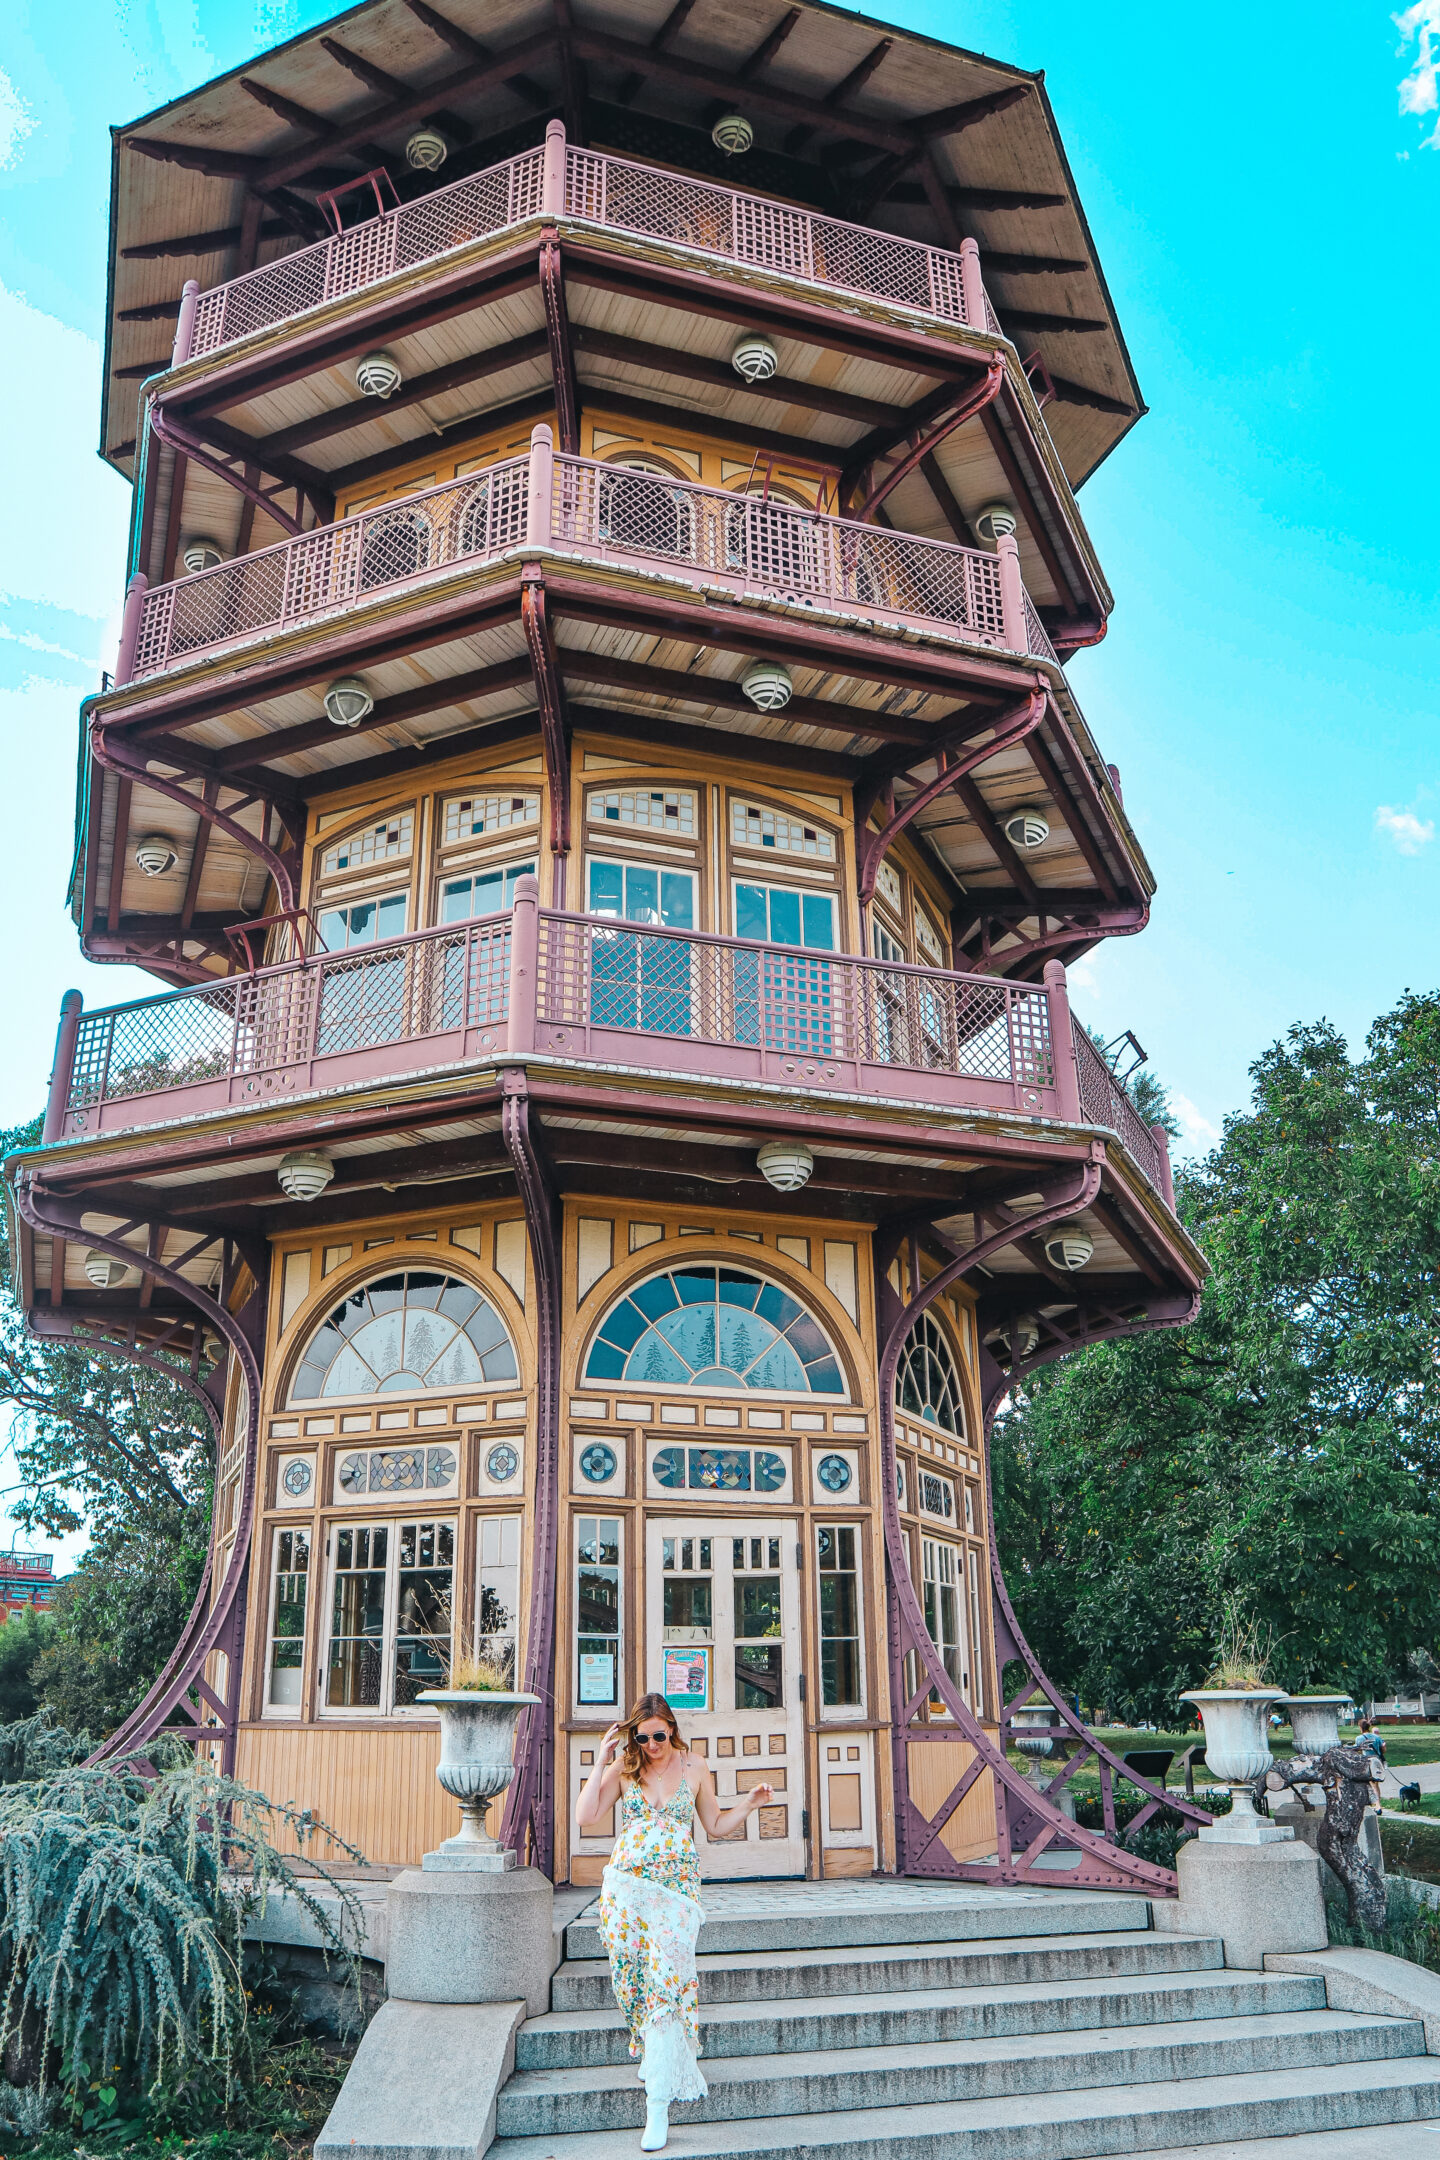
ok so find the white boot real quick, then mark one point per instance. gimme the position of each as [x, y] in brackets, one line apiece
[657, 2127]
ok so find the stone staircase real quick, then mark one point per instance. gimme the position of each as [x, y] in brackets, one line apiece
[910, 2021]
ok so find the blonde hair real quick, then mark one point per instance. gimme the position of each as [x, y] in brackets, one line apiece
[632, 1760]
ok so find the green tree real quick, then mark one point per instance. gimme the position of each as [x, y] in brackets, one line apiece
[1285, 1450]
[25, 1634]
[125, 1452]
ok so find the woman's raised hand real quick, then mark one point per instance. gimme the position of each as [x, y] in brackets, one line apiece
[608, 1746]
[761, 1795]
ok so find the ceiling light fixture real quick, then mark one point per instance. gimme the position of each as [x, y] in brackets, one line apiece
[785, 1164]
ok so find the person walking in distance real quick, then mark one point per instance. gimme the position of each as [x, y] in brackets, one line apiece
[650, 1910]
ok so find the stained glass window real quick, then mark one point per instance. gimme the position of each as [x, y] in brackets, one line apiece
[402, 1334]
[927, 1385]
[714, 1327]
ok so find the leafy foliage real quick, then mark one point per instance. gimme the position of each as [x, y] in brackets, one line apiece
[125, 1452]
[25, 1634]
[1411, 1930]
[1282, 1455]
[123, 1906]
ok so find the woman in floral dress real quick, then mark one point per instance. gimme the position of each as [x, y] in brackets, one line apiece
[650, 1910]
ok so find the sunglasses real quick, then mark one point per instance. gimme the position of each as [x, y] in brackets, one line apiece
[654, 1739]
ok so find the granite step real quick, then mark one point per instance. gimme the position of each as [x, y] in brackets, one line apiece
[596, 2039]
[859, 1915]
[556, 2103]
[1294, 2103]
[904, 1966]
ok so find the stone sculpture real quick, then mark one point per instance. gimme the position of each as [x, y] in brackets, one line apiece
[1343, 1774]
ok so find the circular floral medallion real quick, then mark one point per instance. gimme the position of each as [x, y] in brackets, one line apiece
[833, 1472]
[502, 1462]
[297, 1479]
[598, 1462]
[769, 1471]
[354, 1473]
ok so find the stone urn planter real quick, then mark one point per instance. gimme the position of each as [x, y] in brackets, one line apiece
[477, 1764]
[1314, 1721]
[1237, 1749]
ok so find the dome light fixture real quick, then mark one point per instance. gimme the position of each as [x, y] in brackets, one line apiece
[105, 1273]
[754, 357]
[304, 1175]
[1069, 1249]
[1028, 827]
[155, 854]
[378, 374]
[348, 701]
[997, 521]
[733, 134]
[201, 553]
[427, 150]
[785, 1164]
[1023, 1336]
[767, 684]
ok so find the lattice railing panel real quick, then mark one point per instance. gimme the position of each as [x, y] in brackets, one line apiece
[724, 992]
[1105, 1102]
[438, 982]
[336, 565]
[349, 261]
[777, 547]
[609, 191]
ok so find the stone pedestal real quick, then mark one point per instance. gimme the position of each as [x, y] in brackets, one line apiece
[1258, 1896]
[475, 1937]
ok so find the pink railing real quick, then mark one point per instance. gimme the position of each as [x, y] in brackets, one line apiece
[326, 571]
[1104, 1102]
[610, 191]
[656, 1000]
[745, 543]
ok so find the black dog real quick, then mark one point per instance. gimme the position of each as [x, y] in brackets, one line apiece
[1409, 1796]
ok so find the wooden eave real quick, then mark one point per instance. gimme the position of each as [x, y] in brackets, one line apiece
[1044, 269]
[437, 1141]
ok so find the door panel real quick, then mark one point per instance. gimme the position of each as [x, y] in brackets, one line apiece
[723, 1636]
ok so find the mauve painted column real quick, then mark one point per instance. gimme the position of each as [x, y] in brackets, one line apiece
[63, 1068]
[524, 963]
[1012, 593]
[1167, 1176]
[552, 178]
[972, 285]
[185, 327]
[1062, 1045]
[542, 485]
[135, 593]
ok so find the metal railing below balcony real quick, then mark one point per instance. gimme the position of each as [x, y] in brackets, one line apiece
[747, 543]
[566, 985]
[1103, 1101]
[614, 192]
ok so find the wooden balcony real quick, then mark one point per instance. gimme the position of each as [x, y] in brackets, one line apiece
[743, 545]
[617, 194]
[646, 1001]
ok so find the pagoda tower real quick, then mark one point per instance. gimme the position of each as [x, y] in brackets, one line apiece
[592, 769]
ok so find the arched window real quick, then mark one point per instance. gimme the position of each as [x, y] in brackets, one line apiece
[403, 1334]
[927, 1385]
[714, 1327]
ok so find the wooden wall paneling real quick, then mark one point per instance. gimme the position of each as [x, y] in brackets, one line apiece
[935, 1768]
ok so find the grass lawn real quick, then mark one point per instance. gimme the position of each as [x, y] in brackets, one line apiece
[1404, 1744]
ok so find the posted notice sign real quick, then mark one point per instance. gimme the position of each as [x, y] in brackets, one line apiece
[686, 1681]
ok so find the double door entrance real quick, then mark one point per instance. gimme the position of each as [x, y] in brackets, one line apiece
[723, 1641]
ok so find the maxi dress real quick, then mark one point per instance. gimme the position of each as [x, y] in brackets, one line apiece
[650, 1917]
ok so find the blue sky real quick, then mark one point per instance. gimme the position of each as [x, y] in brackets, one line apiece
[1263, 188]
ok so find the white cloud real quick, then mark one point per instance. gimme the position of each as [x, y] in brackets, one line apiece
[1195, 1127]
[1408, 832]
[16, 121]
[1080, 975]
[1420, 89]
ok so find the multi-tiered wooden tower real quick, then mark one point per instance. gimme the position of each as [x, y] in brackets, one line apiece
[592, 762]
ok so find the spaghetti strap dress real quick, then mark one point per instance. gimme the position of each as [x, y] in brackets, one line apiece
[650, 1917]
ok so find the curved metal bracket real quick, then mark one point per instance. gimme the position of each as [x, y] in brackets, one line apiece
[212, 1625]
[871, 848]
[1026, 1824]
[931, 437]
[117, 757]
